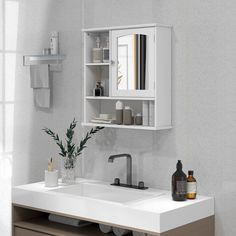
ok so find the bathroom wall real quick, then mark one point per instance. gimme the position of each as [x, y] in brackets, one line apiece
[204, 106]
[32, 147]
[204, 102]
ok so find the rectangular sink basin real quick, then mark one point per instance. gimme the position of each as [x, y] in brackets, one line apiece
[107, 193]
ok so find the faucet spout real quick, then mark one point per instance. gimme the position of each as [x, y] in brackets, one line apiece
[128, 165]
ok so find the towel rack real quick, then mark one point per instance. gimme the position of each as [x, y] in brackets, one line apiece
[54, 61]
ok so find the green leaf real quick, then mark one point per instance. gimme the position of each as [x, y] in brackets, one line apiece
[70, 149]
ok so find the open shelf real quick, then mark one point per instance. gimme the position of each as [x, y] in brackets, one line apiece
[46, 227]
[42, 59]
[141, 127]
[119, 98]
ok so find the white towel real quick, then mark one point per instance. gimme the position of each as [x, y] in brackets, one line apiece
[67, 220]
[105, 228]
[120, 232]
[42, 97]
[39, 76]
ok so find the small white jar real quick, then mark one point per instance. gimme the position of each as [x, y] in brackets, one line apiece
[51, 178]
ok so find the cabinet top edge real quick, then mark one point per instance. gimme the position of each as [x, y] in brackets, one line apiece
[103, 29]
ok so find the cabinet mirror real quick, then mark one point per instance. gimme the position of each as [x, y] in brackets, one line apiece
[133, 57]
[131, 73]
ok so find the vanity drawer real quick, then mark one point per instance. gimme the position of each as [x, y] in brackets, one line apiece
[25, 232]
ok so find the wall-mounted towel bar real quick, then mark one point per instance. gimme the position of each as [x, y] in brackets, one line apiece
[42, 59]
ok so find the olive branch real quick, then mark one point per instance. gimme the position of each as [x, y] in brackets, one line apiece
[70, 149]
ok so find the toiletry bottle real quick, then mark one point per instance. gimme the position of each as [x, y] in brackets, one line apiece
[105, 52]
[97, 52]
[54, 43]
[179, 183]
[97, 91]
[127, 116]
[101, 87]
[138, 119]
[119, 113]
[191, 186]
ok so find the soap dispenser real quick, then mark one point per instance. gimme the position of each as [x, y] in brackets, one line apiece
[179, 183]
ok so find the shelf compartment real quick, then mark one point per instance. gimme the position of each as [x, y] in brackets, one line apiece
[42, 59]
[96, 107]
[46, 227]
[119, 98]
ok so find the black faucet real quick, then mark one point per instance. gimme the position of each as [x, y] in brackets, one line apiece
[128, 173]
[128, 165]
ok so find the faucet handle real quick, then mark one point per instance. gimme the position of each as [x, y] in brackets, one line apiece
[117, 181]
[141, 185]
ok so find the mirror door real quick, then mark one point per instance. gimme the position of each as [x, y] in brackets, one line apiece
[133, 62]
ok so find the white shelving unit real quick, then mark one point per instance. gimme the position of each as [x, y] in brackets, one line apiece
[103, 72]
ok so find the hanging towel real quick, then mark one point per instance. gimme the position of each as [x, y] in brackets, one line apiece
[42, 97]
[39, 76]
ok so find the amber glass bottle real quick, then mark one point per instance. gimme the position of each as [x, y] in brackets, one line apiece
[179, 183]
[191, 186]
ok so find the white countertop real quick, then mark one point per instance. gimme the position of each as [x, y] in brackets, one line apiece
[157, 215]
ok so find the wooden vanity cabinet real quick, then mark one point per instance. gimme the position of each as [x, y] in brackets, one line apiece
[25, 232]
[34, 222]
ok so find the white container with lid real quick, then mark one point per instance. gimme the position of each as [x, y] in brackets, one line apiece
[54, 43]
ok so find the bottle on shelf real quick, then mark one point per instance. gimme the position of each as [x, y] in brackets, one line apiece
[191, 186]
[138, 119]
[54, 43]
[127, 116]
[101, 87]
[97, 91]
[119, 112]
[97, 52]
[105, 51]
[179, 183]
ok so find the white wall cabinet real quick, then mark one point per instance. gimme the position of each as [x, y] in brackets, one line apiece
[139, 69]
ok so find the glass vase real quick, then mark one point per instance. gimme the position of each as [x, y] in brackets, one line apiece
[68, 165]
